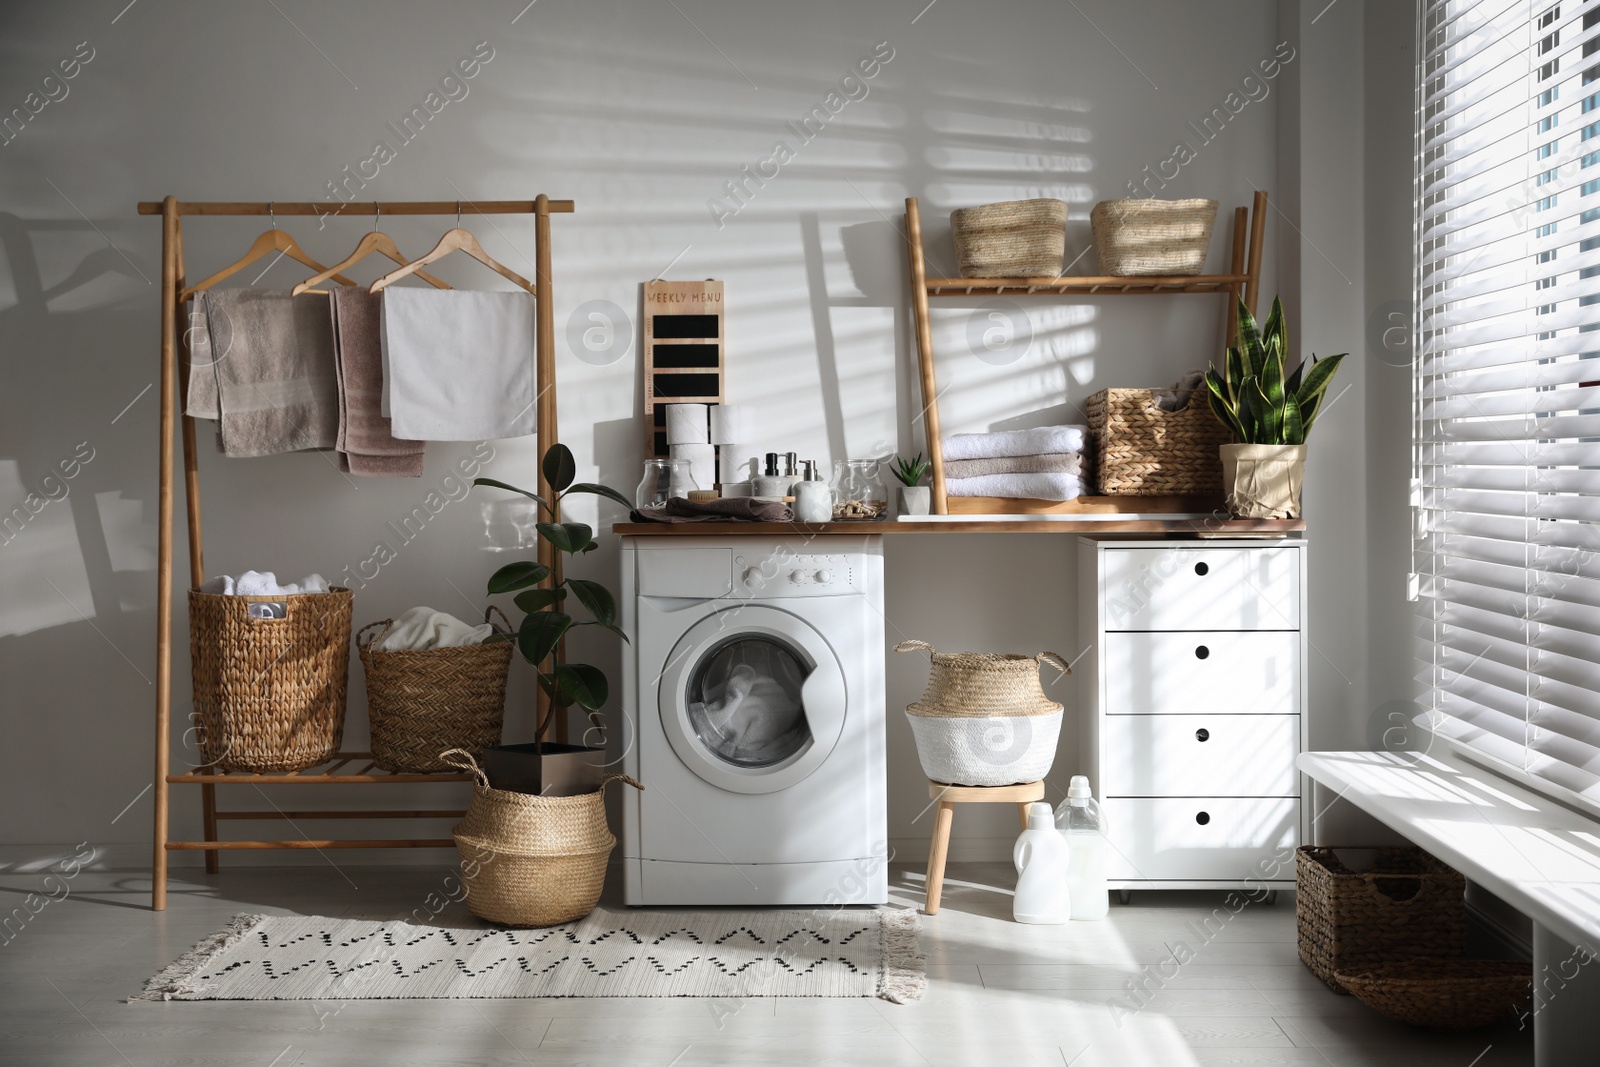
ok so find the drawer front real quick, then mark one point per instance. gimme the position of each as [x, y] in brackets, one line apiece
[1200, 755]
[1204, 838]
[1201, 588]
[1240, 673]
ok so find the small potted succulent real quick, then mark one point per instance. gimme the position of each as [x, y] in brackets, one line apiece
[914, 499]
[1270, 411]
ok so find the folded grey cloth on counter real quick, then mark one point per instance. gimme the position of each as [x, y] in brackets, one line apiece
[262, 365]
[1049, 463]
[1023, 486]
[727, 509]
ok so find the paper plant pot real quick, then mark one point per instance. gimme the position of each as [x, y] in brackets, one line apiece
[552, 769]
[1263, 481]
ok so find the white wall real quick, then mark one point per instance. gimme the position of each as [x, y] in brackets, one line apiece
[641, 116]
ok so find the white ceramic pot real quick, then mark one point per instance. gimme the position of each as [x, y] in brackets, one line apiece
[991, 750]
[1263, 481]
[915, 499]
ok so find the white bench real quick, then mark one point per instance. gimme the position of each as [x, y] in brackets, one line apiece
[1538, 856]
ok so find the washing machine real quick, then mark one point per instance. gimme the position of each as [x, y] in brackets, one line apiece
[754, 692]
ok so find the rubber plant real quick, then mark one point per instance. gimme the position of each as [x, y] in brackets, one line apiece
[1261, 401]
[546, 619]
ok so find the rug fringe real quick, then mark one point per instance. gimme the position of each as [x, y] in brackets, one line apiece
[178, 978]
[903, 978]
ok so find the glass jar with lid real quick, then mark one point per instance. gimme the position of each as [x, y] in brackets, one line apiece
[858, 492]
[664, 478]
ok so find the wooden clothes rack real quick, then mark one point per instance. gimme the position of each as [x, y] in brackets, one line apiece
[1243, 282]
[173, 391]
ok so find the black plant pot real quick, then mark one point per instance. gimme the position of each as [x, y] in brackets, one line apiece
[546, 768]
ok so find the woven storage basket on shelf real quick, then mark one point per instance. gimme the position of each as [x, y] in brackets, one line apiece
[1142, 237]
[1142, 450]
[530, 860]
[1445, 994]
[423, 701]
[1407, 905]
[1013, 239]
[269, 692]
[984, 719]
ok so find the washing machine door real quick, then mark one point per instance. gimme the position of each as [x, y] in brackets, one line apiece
[753, 699]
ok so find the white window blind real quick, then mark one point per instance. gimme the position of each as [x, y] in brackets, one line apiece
[1507, 381]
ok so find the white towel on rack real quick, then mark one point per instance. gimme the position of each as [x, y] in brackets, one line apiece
[1025, 486]
[1034, 442]
[457, 364]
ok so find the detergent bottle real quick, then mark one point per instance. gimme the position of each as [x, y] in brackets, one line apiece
[1041, 860]
[1082, 826]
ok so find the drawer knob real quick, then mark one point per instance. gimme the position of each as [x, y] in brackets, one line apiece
[1202, 734]
[1201, 652]
[1201, 569]
[1202, 818]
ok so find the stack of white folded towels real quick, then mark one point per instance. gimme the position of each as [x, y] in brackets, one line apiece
[1043, 463]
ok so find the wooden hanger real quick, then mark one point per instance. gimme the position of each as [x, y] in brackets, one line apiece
[372, 242]
[456, 240]
[274, 240]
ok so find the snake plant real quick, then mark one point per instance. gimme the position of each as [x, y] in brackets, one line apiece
[1260, 400]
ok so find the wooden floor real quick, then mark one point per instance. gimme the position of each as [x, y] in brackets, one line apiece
[999, 993]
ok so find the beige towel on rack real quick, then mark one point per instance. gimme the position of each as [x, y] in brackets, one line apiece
[273, 387]
[365, 443]
[1049, 463]
[457, 364]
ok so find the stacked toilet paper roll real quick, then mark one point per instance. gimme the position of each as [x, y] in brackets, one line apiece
[687, 425]
[734, 463]
[701, 460]
[732, 424]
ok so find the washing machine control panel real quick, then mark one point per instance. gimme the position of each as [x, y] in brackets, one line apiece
[784, 574]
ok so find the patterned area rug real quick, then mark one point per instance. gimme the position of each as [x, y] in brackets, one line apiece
[732, 954]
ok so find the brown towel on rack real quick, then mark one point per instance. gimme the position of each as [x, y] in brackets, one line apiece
[271, 384]
[727, 509]
[365, 444]
[1048, 463]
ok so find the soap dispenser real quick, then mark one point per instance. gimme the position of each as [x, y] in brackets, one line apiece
[1041, 859]
[772, 485]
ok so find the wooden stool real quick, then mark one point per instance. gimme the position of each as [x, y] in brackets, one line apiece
[948, 797]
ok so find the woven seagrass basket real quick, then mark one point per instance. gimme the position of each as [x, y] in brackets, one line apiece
[1013, 239]
[1144, 237]
[1407, 904]
[423, 701]
[269, 692]
[529, 860]
[1445, 994]
[1140, 449]
[984, 719]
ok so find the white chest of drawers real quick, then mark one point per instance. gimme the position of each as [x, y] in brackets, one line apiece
[1193, 705]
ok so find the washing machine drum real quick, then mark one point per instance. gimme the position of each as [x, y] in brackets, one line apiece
[753, 699]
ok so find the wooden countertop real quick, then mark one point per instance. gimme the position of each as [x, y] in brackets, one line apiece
[1166, 527]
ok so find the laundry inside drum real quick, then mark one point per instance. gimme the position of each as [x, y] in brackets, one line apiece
[745, 702]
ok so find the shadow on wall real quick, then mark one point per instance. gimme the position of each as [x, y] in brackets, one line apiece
[77, 508]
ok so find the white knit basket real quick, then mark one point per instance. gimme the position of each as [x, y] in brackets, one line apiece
[992, 750]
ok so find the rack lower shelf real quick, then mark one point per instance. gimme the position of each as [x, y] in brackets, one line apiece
[331, 771]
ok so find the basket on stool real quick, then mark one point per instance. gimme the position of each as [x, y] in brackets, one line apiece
[269, 693]
[1406, 905]
[984, 719]
[425, 700]
[529, 860]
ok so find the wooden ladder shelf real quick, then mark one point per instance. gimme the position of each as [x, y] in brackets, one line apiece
[1242, 282]
[334, 771]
